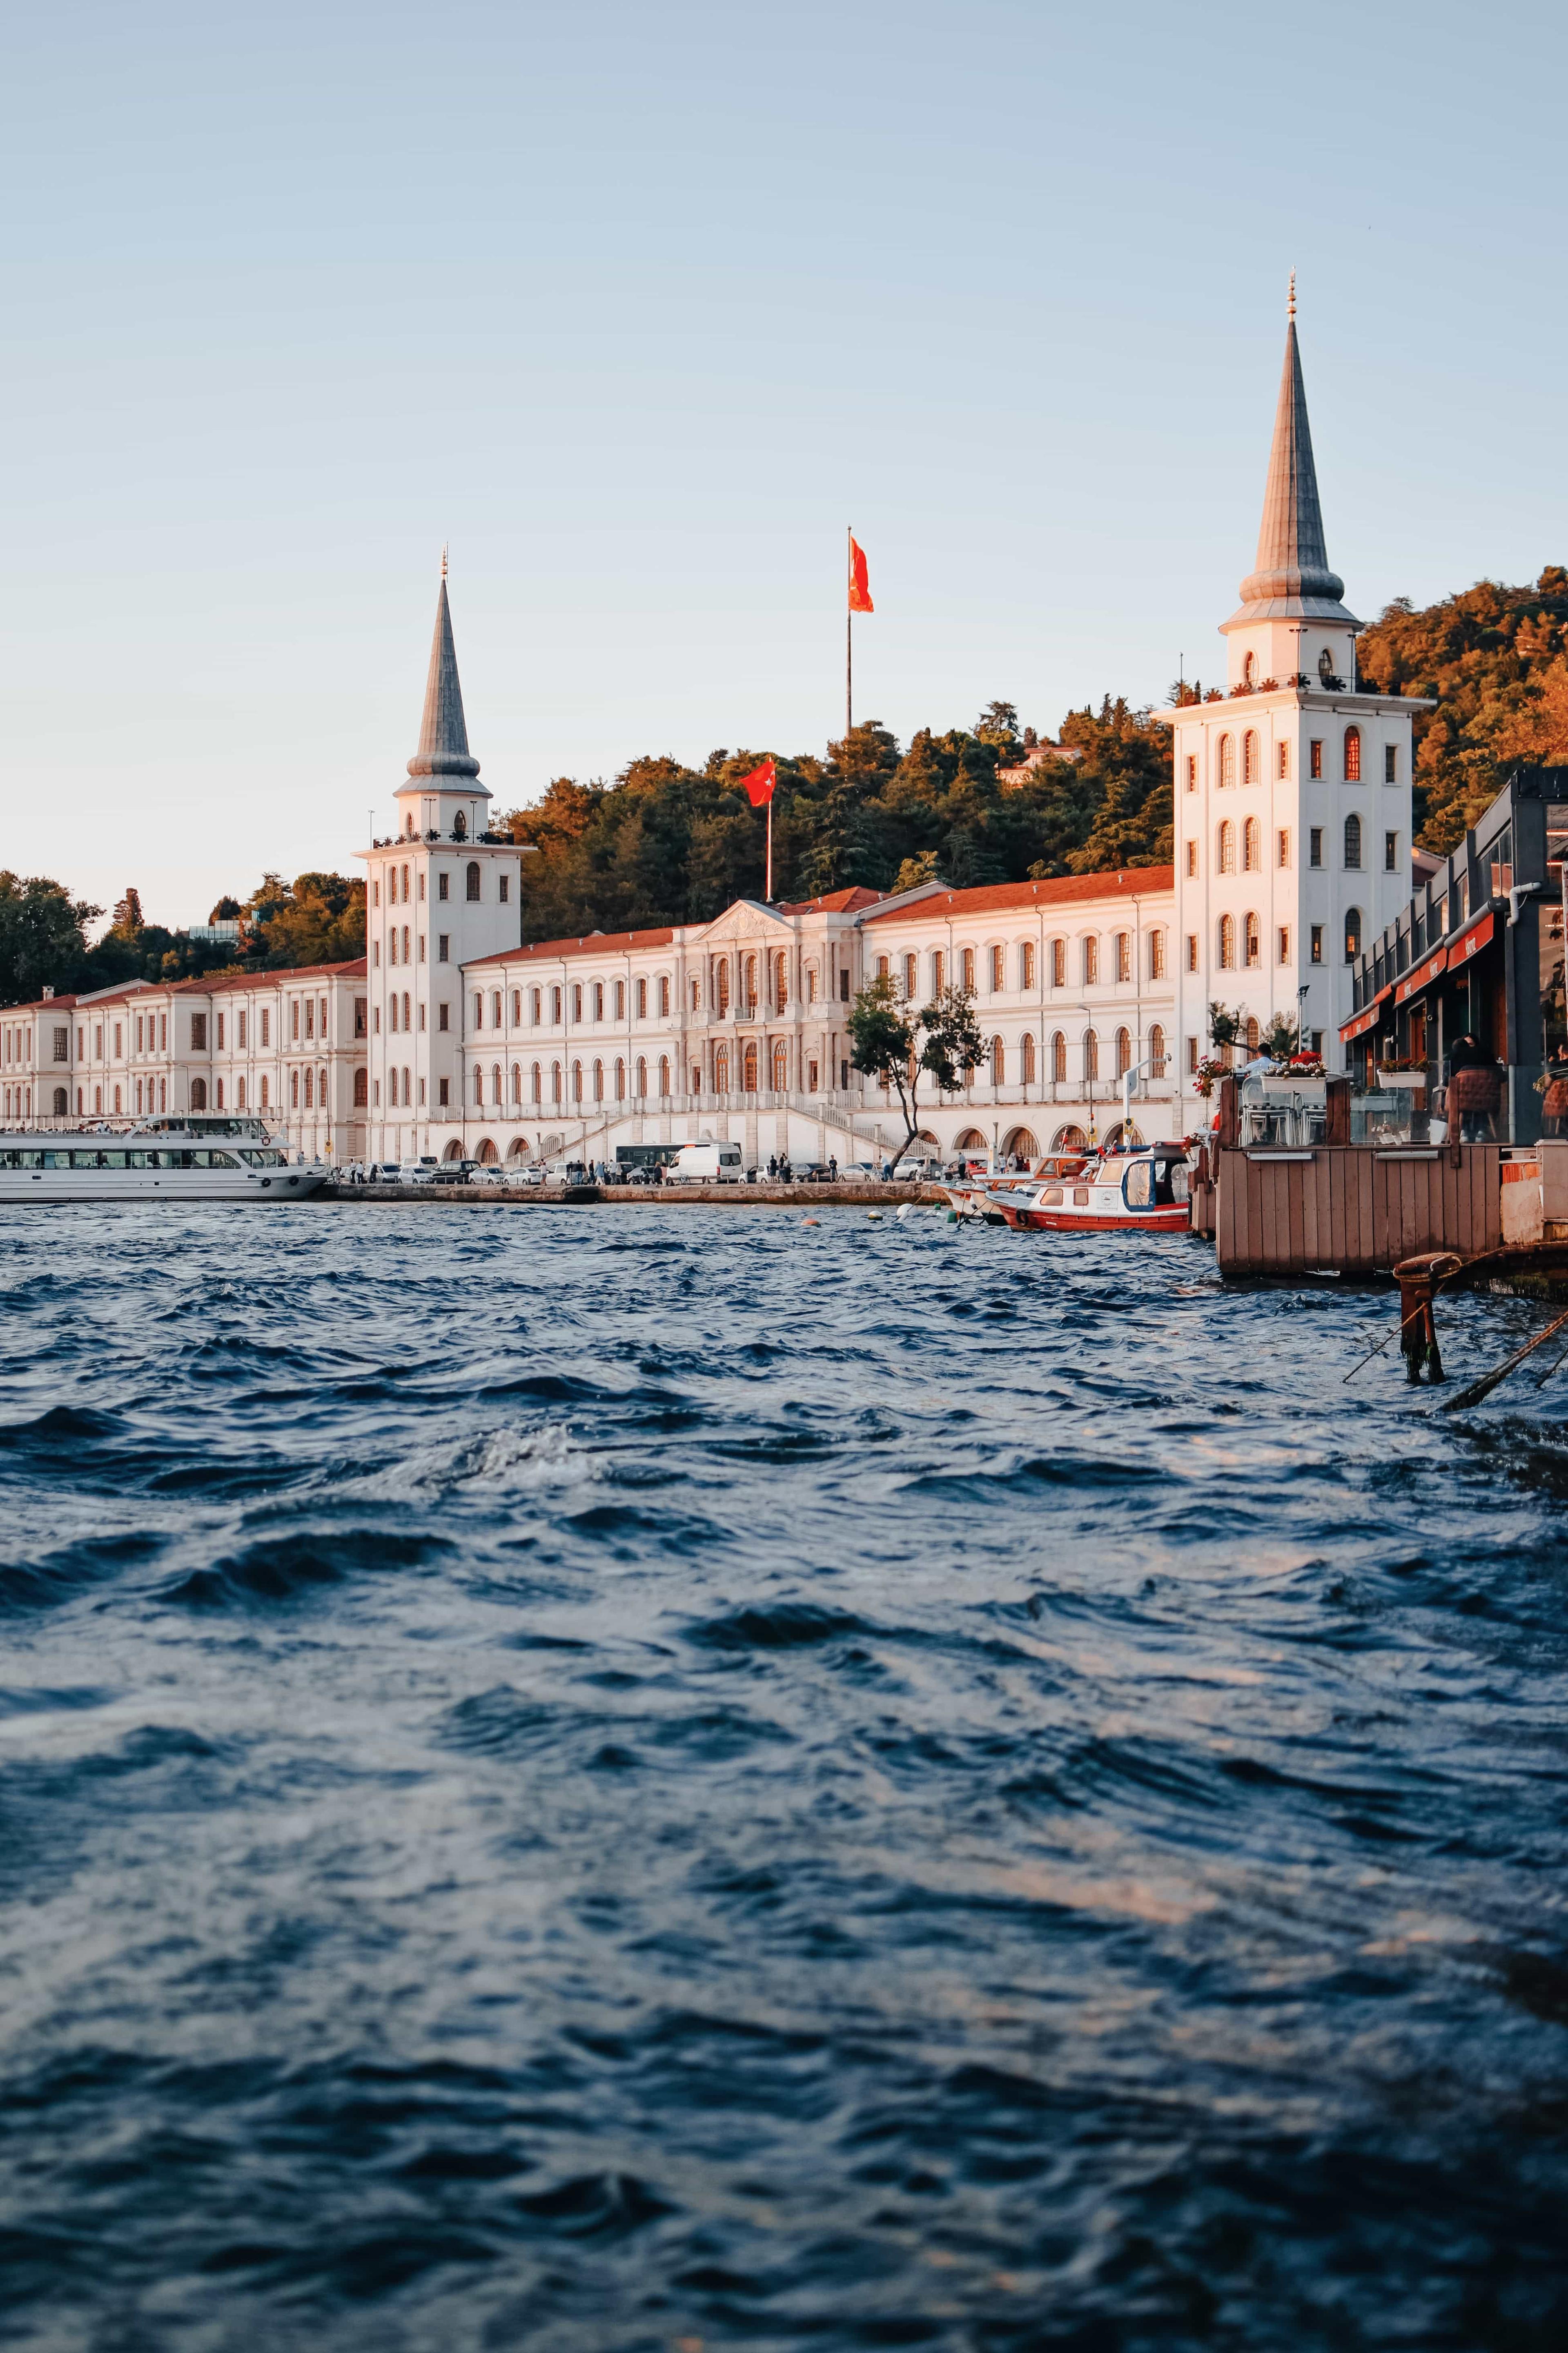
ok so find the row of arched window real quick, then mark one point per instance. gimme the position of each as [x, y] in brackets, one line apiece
[1251, 751]
[966, 967]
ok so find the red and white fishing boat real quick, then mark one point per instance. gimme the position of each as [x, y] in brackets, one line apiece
[1134, 1192]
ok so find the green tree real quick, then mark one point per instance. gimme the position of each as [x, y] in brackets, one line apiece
[317, 918]
[43, 938]
[894, 1044]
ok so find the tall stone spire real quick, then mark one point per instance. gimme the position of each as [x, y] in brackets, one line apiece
[1292, 580]
[443, 735]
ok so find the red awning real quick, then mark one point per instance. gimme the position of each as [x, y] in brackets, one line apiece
[1425, 971]
[1478, 936]
[1363, 1021]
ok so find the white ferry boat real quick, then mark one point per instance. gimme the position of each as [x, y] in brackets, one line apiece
[195, 1159]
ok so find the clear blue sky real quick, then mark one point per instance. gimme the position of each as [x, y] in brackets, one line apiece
[638, 305]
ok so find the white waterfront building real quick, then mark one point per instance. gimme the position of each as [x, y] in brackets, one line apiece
[451, 1038]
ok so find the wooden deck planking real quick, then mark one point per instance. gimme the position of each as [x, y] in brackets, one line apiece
[1349, 1209]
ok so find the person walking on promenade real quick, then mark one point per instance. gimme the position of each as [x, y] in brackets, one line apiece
[1474, 1088]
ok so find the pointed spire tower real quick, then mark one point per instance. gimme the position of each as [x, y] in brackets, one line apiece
[443, 773]
[1291, 580]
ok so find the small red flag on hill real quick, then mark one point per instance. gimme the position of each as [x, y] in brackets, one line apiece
[859, 585]
[758, 786]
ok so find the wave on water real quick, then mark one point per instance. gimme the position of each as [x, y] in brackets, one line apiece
[632, 1779]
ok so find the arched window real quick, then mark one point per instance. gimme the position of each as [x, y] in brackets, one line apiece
[1026, 964]
[1156, 1052]
[1250, 770]
[361, 1091]
[938, 973]
[1326, 664]
[1353, 756]
[310, 1089]
[642, 1077]
[480, 1086]
[239, 1092]
[750, 976]
[968, 970]
[538, 1078]
[495, 1082]
[1123, 956]
[911, 982]
[517, 1009]
[459, 828]
[1123, 1052]
[1353, 842]
[1249, 670]
[576, 1083]
[62, 1104]
[293, 1091]
[1026, 1057]
[664, 1075]
[473, 878]
[1058, 1058]
[517, 1082]
[620, 1079]
[1091, 961]
[1352, 933]
[1252, 846]
[1058, 964]
[1090, 1055]
[748, 1067]
[218, 1097]
[198, 1098]
[1253, 937]
[1227, 760]
[1254, 1035]
[620, 1000]
[263, 1105]
[1226, 848]
[781, 1068]
[721, 986]
[720, 1070]
[998, 1064]
[554, 1083]
[1227, 943]
[598, 1082]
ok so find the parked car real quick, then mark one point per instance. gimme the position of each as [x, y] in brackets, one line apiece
[707, 1164]
[567, 1172]
[815, 1172]
[454, 1172]
[524, 1174]
[488, 1173]
[384, 1172]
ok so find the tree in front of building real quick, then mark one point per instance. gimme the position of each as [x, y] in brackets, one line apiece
[897, 1045]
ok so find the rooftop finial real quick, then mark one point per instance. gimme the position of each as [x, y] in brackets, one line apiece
[1292, 314]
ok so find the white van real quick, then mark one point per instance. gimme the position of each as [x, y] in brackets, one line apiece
[701, 1164]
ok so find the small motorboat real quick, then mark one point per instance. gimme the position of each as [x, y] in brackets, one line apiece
[1135, 1192]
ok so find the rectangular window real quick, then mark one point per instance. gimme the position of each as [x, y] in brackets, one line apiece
[443, 1016]
[1191, 950]
[503, 892]
[1315, 760]
[359, 1020]
[220, 1033]
[1284, 942]
[422, 886]
[642, 1000]
[443, 886]
[294, 1019]
[598, 1000]
[1390, 764]
[577, 1001]
[478, 1010]
[443, 948]
[1193, 1055]
[1282, 757]
[844, 984]
[444, 1088]
[1391, 853]
[1192, 860]
[534, 1001]
[1317, 944]
[375, 893]
[374, 1091]
[664, 993]
[198, 1034]
[117, 1034]
[309, 1019]
[376, 1022]
[422, 1023]
[62, 1045]
[266, 1025]
[139, 1033]
[557, 998]
[1192, 773]
[421, 947]
[1284, 846]
[421, 1082]
[242, 1022]
[1315, 845]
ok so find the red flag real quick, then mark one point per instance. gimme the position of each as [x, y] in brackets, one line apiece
[859, 586]
[758, 786]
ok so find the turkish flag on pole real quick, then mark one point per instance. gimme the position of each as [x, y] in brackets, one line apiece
[859, 585]
[758, 786]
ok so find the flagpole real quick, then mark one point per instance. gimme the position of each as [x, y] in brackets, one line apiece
[850, 637]
[768, 894]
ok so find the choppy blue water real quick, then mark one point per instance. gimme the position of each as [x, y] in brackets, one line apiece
[641, 1777]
